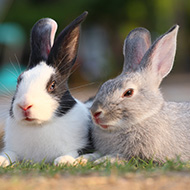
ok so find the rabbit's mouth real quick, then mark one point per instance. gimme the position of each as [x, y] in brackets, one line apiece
[29, 119]
[104, 126]
[97, 121]
[32, 121]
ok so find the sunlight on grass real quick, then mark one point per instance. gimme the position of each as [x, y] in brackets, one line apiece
[104, 169]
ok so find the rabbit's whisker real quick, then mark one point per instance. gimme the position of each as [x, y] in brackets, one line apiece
[3, 95]
[7, 90]
[13, 67]
[14, 75]
[67, 77]
[60, 62]
[18, 63]
[62, 82]
[65, 105]
[5, 115]
[82, 86]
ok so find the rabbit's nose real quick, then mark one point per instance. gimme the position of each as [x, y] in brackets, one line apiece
[25, 108]
[97, 114]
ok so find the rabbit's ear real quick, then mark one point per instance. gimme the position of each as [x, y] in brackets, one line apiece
[64, 51]
[42, 38]
[160, 57]
[135, 46]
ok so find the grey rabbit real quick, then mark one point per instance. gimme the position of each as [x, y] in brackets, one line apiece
[132, 118]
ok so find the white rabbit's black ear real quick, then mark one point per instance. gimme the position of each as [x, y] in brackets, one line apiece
[42, 38]
[64, 51]
[135, 46]
[160, 57]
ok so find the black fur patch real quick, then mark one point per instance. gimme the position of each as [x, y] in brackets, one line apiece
[61, 93]
[11, 109]
[40, 42]
[19, 79]
[65, 104]
[89, 148]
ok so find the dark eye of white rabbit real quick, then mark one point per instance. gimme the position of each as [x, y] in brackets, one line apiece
[128, 93]
[52, 86]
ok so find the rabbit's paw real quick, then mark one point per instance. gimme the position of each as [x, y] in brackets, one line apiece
[64, 160]
[81, 160]
[4, 162]
[88, 158]
[109, 159]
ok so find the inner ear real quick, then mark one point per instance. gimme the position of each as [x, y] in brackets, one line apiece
[72, 46]
[160, 57]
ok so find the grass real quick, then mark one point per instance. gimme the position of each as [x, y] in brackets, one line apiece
[104, 169]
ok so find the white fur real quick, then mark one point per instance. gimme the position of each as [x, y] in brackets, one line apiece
[32, 91]
[47, 137]
[59, 137]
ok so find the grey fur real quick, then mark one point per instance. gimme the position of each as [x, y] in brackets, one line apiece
[143, 125]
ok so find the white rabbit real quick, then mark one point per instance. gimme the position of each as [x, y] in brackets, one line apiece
[132, 118]
[45, 121]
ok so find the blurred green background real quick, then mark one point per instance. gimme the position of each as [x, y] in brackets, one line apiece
[103, 32]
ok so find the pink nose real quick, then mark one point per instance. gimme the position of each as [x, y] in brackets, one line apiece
[96, 116]
[25, 108]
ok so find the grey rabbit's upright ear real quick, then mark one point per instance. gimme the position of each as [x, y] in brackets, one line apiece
[64, 51]
[159, 59]
[42, 38]
[135, 46]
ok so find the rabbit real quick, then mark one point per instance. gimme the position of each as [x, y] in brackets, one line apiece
[45, 122]
[132, 118]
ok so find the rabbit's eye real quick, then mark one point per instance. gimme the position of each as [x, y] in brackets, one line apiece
[128, 93]
[52, 86]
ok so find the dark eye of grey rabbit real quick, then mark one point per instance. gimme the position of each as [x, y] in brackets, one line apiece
[128, 93]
